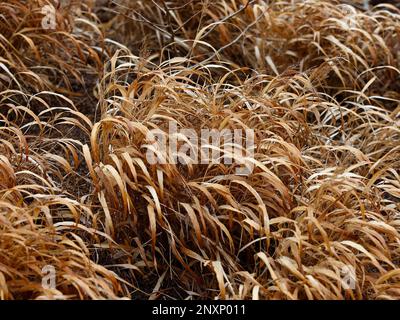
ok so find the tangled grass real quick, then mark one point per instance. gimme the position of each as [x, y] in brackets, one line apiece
[316, 81]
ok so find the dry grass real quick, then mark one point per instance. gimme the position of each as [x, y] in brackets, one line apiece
[317, 81]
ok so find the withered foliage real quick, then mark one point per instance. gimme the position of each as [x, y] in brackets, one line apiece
[317, 81]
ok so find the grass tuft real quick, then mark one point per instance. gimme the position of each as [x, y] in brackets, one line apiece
[315, 81]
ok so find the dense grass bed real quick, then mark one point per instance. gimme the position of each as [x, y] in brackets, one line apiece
[83, 84]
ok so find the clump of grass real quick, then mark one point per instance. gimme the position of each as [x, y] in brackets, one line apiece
[309, 209]
[37, 58]
[314, 80]
[44, 218]
[31, 242]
